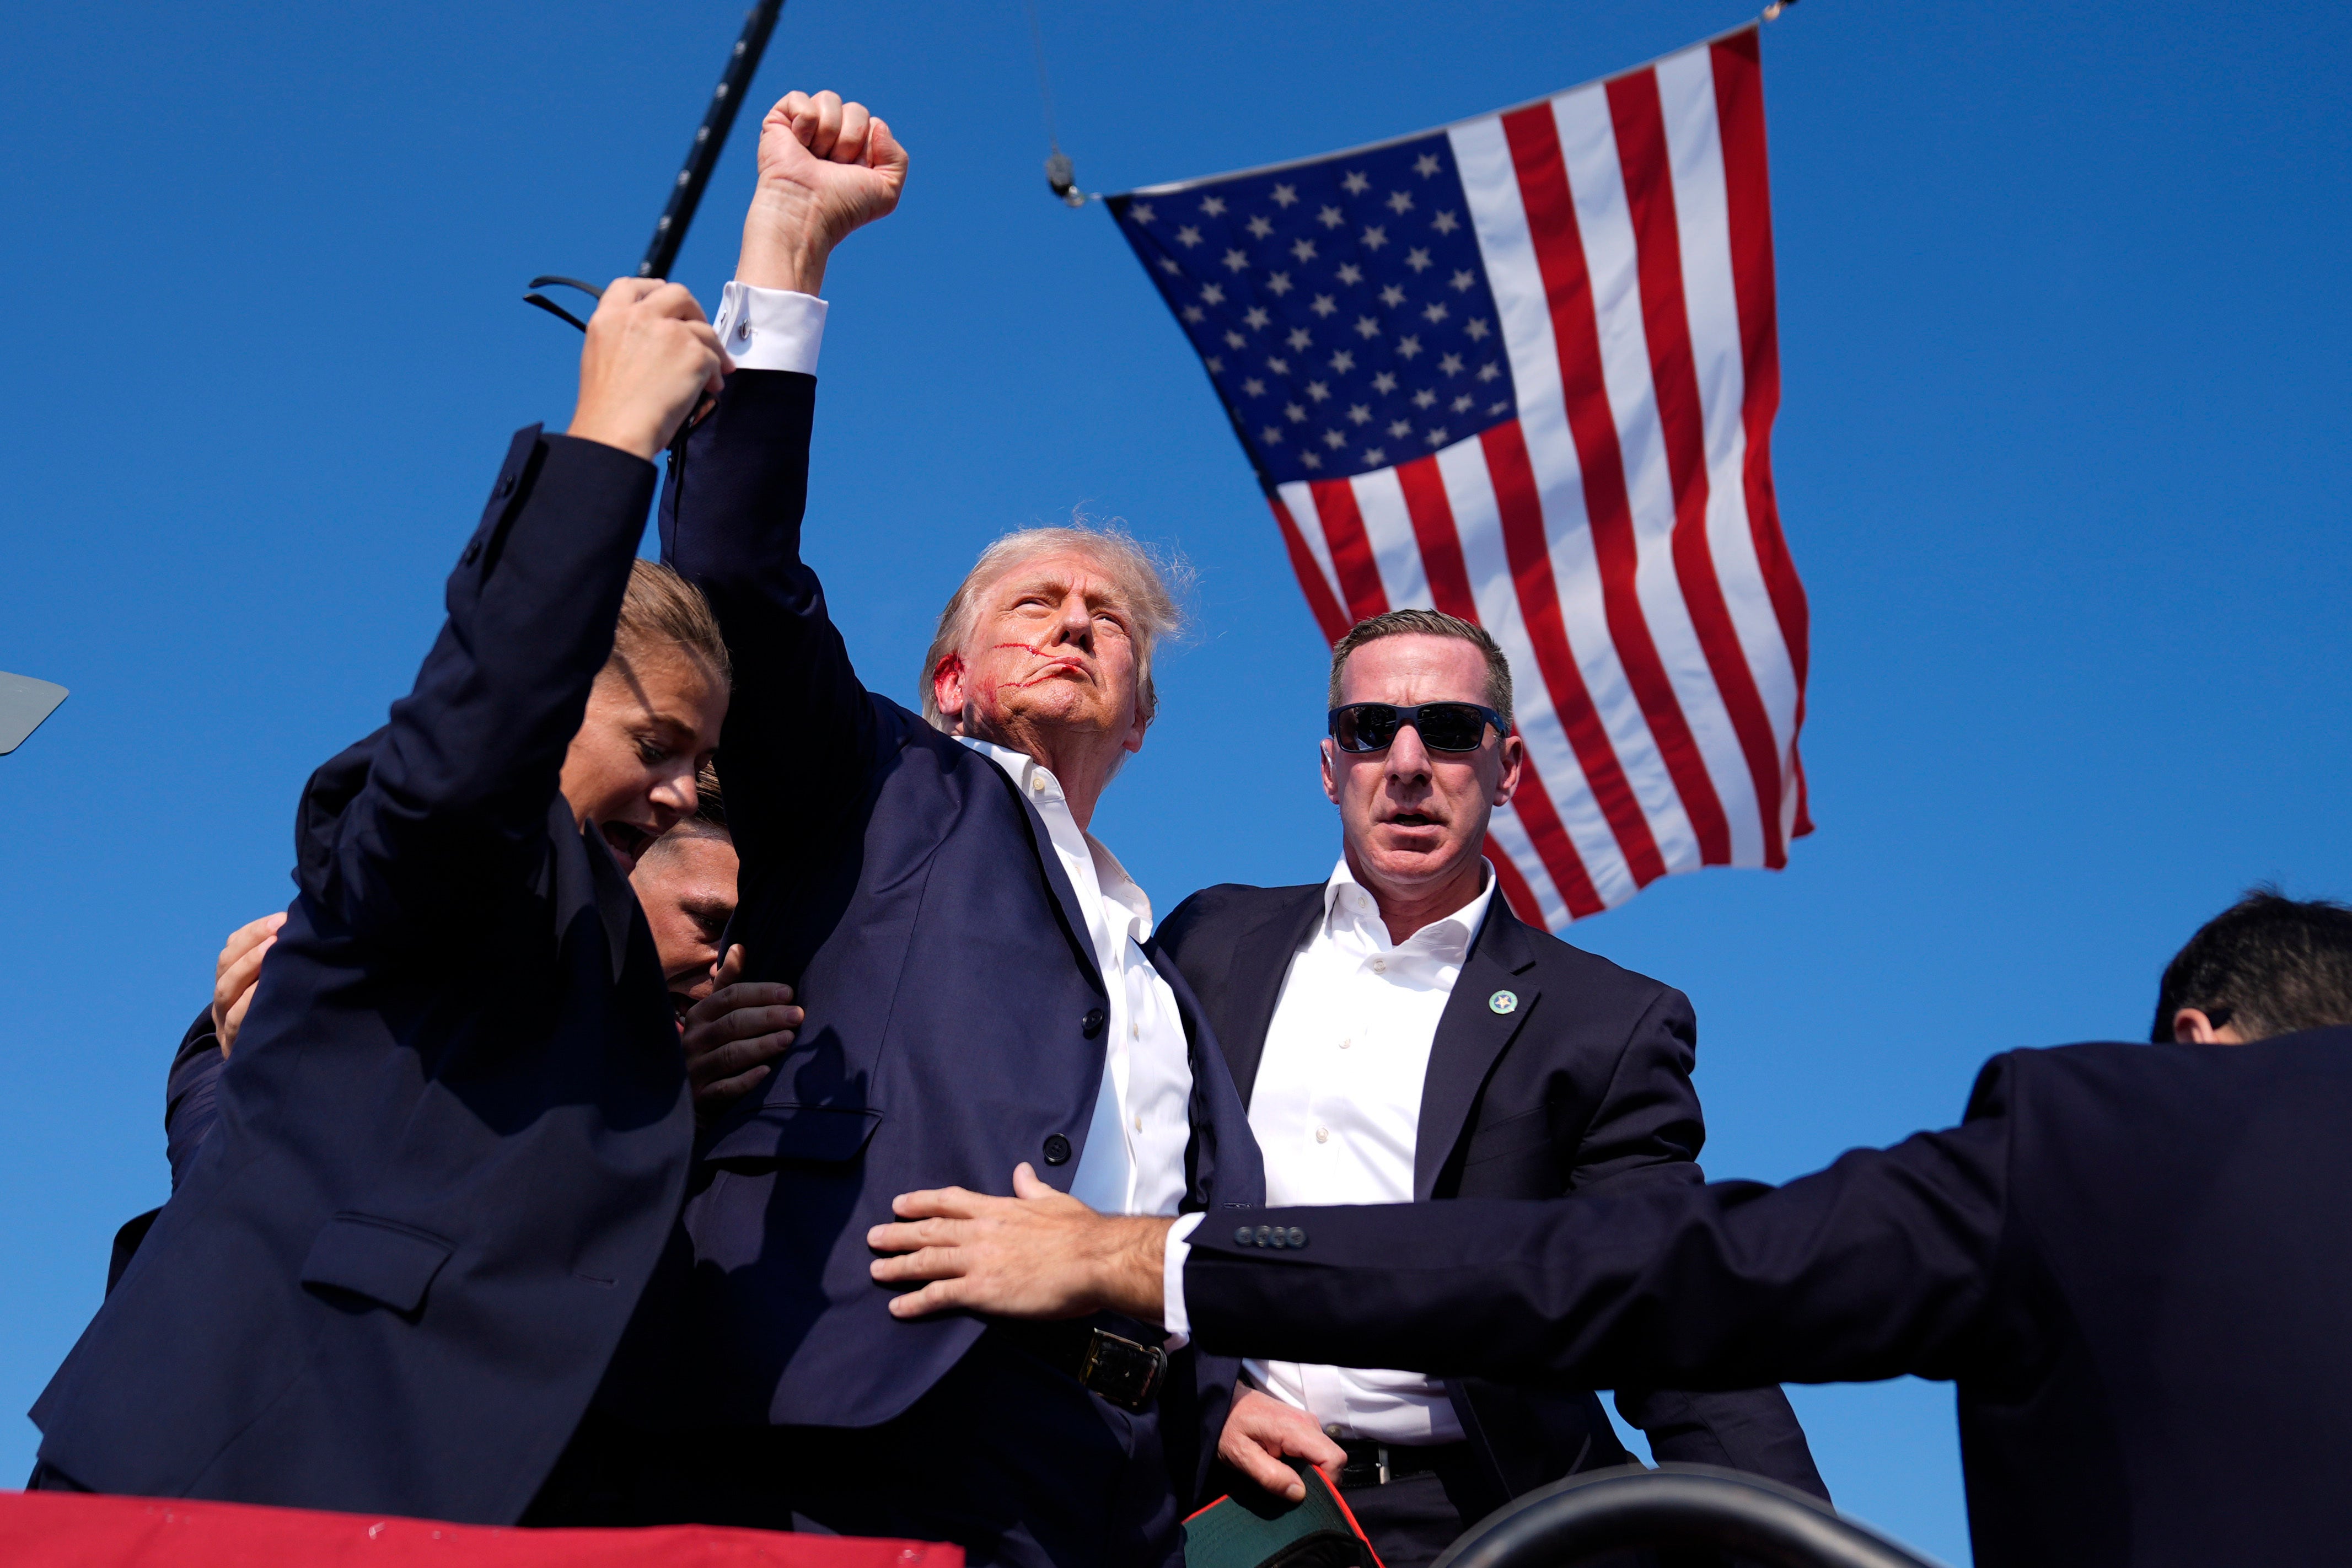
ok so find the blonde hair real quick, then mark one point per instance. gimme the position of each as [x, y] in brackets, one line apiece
[663, 609]
[1148, 584]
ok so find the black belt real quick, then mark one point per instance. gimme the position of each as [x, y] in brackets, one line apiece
[1371, 1464]
[1126, 1371]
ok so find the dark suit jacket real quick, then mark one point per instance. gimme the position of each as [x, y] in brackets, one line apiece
[1584, 1087]
[455, 1130]
[188, 1114]
[955, 1021]
[2131, 1259]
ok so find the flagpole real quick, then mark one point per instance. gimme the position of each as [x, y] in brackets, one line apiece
[702, 156]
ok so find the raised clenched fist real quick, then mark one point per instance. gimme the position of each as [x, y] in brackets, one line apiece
[825, 168]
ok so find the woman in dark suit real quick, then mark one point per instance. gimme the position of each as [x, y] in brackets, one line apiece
[456, 1128]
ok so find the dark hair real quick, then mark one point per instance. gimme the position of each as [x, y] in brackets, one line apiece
[2268, 963]
[710, 806]
[709, 818]
[1434, 624]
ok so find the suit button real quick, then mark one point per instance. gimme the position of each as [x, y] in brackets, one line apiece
[1298, 1236]
[1245, 1236]
[506, 486]
[1265, 1236]
[473, 553]
[1057, 1150]
[1092, 1024]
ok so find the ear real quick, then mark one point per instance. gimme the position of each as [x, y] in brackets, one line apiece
[2193, 1026]
[1330, 754]
[1515, 758]
[1135, 732]
[948, 688]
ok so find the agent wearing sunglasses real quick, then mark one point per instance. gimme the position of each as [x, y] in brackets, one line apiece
[1399, 1035]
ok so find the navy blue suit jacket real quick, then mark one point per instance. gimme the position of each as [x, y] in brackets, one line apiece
[955, 1021]
[2131, 1259]
[456, 1128]
[1583, 1086]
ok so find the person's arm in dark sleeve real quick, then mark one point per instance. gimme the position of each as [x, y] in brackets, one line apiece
[1647, 1128]
[457, 788]
[802, 734]
[1648, 1132]
[1752, 1430]
[188, 1109]
[1881, 1265]
[188, 1115]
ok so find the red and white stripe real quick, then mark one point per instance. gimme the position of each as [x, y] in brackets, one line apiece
[1619, 538]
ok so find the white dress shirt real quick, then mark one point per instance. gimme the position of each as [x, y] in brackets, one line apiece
[1134, 1157]
[1336, 1111]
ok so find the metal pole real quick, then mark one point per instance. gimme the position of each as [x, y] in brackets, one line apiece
[703, 156]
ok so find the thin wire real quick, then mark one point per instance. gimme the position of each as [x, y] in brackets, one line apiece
[1045, 88]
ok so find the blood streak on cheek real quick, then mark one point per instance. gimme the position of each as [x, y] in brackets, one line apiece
[1056, 662]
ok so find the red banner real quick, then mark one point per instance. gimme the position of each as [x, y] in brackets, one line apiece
[53, 1529]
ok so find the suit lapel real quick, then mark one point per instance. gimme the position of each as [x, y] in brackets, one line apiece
[1222, 1167]
[586, 876]
[1261, 958]
[1065, 897]
[1470, 1036]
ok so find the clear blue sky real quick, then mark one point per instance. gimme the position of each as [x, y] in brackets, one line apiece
[2065, 345]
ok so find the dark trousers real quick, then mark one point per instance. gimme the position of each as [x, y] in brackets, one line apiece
[1006, 1456]
[1411, 1520]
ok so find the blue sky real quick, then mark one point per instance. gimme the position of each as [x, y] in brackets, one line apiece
[2061, 461]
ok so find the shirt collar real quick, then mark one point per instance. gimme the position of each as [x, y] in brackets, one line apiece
[1449, 938]
[1038, 785]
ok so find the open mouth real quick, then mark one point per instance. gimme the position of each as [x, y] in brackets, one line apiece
[1414, 819]
[627, 841]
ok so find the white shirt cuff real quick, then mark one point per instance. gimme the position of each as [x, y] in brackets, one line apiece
[1172, 1316]
[770, 329]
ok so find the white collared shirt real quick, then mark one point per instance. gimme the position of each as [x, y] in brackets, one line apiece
[1133, 1162]
[1336, 1111]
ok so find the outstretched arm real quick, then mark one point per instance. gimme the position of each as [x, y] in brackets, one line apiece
[451, 799]
[1882, 1264]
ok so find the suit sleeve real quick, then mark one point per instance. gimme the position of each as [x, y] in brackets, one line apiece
[189, 1110]
[1648, 1127]
[422, 835]
[730, 524]
[1650, 1131]
[1882, 1264]
[1750, 1429]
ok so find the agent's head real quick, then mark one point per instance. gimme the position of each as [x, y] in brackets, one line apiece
[686, 880]
[1414, 797]
[653, 716]
[1047, 646]
[2266, 965]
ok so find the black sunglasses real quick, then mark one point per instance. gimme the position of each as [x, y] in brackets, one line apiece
[1443, 726]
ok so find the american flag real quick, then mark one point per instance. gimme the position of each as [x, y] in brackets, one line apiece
[1523, 369]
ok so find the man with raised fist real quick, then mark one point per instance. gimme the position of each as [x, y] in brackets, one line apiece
[977, 994]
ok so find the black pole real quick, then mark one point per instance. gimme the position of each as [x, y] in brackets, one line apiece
[686, 195]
